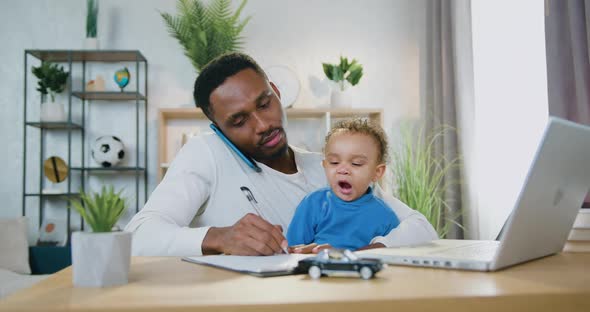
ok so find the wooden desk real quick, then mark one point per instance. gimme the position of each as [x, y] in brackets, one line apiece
[557, 283]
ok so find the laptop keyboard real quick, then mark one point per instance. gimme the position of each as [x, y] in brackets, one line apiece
[477, 251]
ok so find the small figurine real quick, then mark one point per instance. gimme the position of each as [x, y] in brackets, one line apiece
[122, 77]
[96, 85]
[339, 262]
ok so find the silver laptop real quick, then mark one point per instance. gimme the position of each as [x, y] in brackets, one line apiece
[544, 213]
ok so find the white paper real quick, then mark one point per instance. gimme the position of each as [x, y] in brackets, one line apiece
[252, 264]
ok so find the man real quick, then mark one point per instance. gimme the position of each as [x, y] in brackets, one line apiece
[200, 206]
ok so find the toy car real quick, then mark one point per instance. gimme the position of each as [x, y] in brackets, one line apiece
[339, 262]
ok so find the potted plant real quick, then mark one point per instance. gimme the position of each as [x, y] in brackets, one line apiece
[52, 81]
[205, 32]
[102, 257]
[344, 75]
[91, 42]
[421, 178]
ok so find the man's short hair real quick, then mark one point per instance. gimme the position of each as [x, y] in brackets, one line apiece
[216, 72]
[364, 126]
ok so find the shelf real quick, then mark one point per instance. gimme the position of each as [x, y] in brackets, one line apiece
[88, 55]
[52, 194]
[109, 96]
[193, 112]
[168, 116]
[55, 125]
[78, 63]
[335, 113]
[108, 170]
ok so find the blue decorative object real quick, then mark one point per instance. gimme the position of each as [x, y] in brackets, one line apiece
[122, 78]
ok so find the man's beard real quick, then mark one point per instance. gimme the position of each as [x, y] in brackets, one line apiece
[282, 151]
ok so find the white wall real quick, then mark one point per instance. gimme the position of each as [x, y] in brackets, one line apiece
[510, 89]
[302, 34]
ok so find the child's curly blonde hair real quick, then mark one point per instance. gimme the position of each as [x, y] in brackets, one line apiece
[363, 126]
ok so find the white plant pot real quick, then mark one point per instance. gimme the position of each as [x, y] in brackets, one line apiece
[91, 44]
[100, 259]
[52, 112]
[340, 98]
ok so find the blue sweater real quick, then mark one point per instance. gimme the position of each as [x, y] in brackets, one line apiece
[322, 218]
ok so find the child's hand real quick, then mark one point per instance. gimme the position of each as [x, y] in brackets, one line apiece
[372, 246]
[310, 248]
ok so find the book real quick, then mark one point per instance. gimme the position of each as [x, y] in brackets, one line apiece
[579, 234]
[261, 266]
[583, 219]
[576, 246]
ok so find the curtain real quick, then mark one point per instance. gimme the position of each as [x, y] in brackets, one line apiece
[438, 99]
[567, 26]
[567, 33]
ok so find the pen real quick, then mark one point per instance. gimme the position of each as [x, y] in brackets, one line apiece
[254, 204]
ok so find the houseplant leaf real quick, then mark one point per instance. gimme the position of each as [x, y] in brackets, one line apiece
[101, 211]
[420, 176]
[206, 31]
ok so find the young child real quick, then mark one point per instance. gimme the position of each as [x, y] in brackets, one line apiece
[346, 214]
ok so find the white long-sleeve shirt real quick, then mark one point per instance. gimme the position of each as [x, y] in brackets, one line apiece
[202, 189]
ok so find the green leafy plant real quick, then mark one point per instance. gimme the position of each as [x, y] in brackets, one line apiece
[421, 178]
[345, 71]
[91, 18]
[52, 79]
[205, 32]
[101, 210]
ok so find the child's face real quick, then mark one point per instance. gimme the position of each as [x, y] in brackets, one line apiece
[351, 164]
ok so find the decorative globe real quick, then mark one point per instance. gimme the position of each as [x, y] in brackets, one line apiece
[108, 151]
[122, 77]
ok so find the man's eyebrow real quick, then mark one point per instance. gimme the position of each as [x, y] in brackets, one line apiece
[263, 94]
[235, 116]
[241, 114]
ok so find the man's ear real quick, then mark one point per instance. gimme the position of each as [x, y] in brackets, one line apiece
[274, 87]
[379, 171]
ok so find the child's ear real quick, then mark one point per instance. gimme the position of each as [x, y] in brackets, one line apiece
[379, 171]
[324, 163]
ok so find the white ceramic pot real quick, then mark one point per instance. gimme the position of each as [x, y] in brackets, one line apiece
[52, 112]
[100, 259]
[91, 44]
[340, 98]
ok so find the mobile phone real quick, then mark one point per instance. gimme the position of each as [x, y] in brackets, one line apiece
[245, 158]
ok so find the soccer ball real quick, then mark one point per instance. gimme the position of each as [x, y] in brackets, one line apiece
[108, 151]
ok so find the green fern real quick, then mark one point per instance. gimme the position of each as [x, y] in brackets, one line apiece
[421, 177]
[101, 210]
[205, 32]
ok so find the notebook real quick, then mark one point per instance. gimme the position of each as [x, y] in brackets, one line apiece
[261, 266]
[542, 217]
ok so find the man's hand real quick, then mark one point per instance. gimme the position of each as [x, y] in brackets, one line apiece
[250, 236]
[310, 248]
